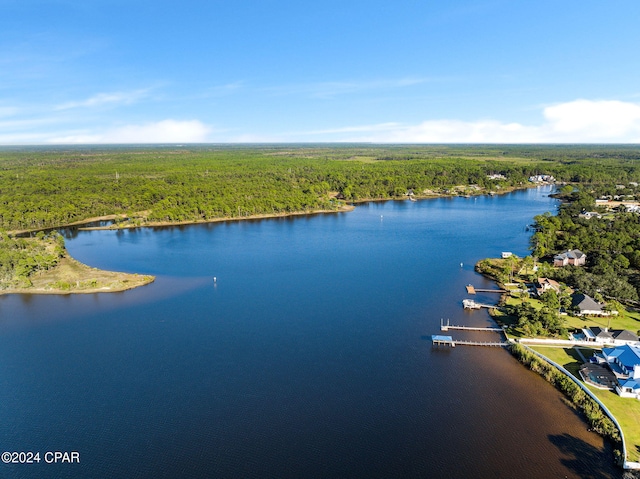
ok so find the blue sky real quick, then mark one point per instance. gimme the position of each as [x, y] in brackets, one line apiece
[142, 71]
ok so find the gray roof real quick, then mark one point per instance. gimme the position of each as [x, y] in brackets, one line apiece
[585, 303]
[573, 254]
[601, 332]
[625, 335]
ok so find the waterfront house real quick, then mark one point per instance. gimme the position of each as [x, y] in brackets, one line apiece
[624, 361]
[628, 388]
[545, 284]
[624, 336]
[542, 179]
[496, 176]
[585, 305]
[618, 337]
[598, 335]
[574, 257]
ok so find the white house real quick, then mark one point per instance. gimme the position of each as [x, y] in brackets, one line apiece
[587, 306]
[542, 179]
[618, 337]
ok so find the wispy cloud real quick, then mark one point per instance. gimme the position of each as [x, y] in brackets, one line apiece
[7, 111]
[165, 131]
[226, 89]
[102, 99]
[579, 121]
[335, 88]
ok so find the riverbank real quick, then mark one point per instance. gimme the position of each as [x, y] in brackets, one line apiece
[155, 224]
[577, 393]
[139, 219]
[620, 432]
[70, 276]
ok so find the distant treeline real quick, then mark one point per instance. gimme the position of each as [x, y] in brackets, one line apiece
[48, 187]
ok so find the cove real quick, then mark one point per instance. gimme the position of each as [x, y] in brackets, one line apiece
[305, 358]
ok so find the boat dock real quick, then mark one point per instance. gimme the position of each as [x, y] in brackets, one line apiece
[473, 290]
[439, 340]
[447, 327]
[471, 304]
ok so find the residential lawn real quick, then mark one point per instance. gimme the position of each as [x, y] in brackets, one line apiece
[628, 320]
[515, 300]
[626, 410]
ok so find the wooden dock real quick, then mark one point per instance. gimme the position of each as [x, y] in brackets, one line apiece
[447, 327]
[494, 344]
[473, 290]
[438, 340]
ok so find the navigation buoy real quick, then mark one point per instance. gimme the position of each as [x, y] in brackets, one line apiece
[215, 279]
[461, 265]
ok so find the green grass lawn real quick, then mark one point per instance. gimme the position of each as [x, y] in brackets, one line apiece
[628, 320]
[626, 410]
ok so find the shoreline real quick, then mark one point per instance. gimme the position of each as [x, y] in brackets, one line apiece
[123, 279]
[71, 276]
[598, 426]
[161, 224]
[350, 206]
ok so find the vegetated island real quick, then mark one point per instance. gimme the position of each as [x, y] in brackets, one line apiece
[574, 302]
[41, 265]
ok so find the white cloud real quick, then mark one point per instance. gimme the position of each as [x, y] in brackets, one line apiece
[579, 121]
[101, 99]
[595, 118]
[166, 131]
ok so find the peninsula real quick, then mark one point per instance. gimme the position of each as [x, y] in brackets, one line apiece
[42, 265]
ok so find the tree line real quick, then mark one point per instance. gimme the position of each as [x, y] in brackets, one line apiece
[42, 188]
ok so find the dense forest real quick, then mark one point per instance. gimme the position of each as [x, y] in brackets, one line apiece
[49, 187]
[610, 239]
[43, 188]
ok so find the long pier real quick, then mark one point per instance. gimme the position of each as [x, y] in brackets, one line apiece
[447, 327]
[494, 344]
[473, 290]
[438, 340]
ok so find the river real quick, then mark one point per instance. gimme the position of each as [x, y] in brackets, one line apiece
[305, 358]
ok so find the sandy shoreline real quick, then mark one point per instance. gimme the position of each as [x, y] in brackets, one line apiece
[72, 277]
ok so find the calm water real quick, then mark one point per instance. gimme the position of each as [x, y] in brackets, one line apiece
[306, 359]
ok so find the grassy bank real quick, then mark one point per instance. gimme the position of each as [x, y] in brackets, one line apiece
[626, 411]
